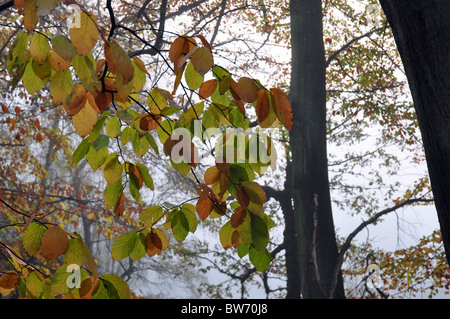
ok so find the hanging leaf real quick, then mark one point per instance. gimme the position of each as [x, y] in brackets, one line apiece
[85, 34]
[282, 108]
[207, 88]
[60, 86]
[54, 242]
[123, 245]
[63, 47]
[39, 48]
[202, 60]
[85, 120]
[247, 89]
[31, 238]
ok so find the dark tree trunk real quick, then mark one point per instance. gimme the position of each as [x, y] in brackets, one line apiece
[310, 187]
[422, 33]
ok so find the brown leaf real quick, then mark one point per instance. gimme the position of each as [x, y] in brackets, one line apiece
[119, 208]
[238, 217]
[207, 88]
[54, 242]
[149, 122]
[205, 203]
[247, 89]
[77, 100]
[242, 197]
[9, 280]
[262, 106]
[153, 244]
[282, 108]
[180, 149]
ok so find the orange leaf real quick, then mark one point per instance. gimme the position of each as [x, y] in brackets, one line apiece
[39, 137]
[207, 88]
[282, 107]
[247, 89]
[4, 109]
[179, 48]
[262, 106]
[153, 244]
[212, 175]
[205, 204]
[149, 122]
[54, 242]
[119, 208]
[204, 41]
[238, 217]
[242, 197]
[76, 101]
[9, 280]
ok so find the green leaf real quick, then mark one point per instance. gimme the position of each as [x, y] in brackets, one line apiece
[119, 284]
[60, 85]
[194, 112]
[140, 144]
[225, 235]
[112, 193]
[30, 80]
[16, 54]
[101, 142]
[34, 284]
[243, 250]
[125, 135]
[180, 225]
[150, 215]
[134, 187]
[123, 245]
[112, 127]
[109, 291]
[260, 233]
[98, 128]
[63, 47]
[191, 218]
[152, 142]
[193, 79]
[96, 158]
[165, 129]
[85, 68]
[260, 259]
[31, 238]
[39, 48]
[148, 181]
[113, 169]
[156, 101]
[125, 116]
[74, 253]
[139, 249]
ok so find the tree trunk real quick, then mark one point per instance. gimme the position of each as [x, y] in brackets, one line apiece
[422, 33]
[317, 248]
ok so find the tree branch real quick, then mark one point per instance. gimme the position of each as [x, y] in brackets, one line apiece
[364, 224]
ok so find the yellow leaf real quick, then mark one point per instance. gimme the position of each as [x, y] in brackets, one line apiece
[84, 35]
[57, 63]
[85, 120]
[39, 48]
[30, 18]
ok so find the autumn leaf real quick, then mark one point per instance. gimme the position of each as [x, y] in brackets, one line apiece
[84, 36]
[207, 88]
[9, 280]
[247, 89]
[85, 120]
[282, 108]
[54, 242]
[39, 48]
[202, 60]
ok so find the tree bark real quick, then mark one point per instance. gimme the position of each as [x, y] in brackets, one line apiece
[422, 32]
[316, 240]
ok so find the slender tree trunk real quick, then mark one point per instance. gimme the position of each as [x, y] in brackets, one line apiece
[316, 241]
[422, 33]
